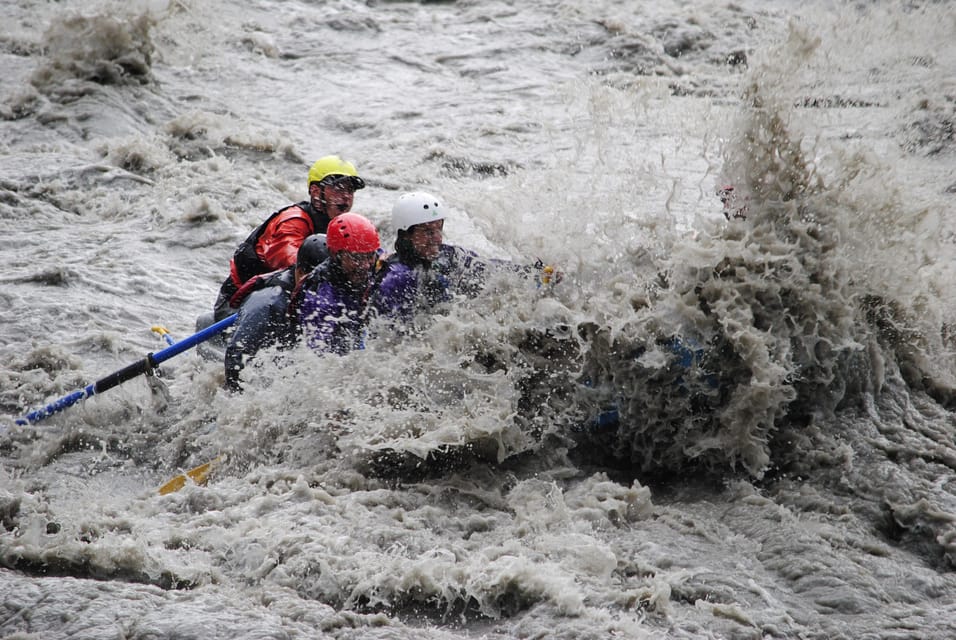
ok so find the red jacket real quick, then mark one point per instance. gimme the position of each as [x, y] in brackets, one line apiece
[276, 241]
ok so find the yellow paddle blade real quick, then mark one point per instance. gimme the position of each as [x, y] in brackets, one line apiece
[163, 333]
[199, 475]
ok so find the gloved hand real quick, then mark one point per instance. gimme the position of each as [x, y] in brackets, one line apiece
[547, 274]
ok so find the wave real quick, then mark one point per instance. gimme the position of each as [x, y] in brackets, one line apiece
[83, 52]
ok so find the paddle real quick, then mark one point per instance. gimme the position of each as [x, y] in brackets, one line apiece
[199, 475]
[164, 332]
[146, 365]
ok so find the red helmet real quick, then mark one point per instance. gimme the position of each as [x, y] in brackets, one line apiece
[353, 233]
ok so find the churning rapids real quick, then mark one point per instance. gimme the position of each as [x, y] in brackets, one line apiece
[536, 462]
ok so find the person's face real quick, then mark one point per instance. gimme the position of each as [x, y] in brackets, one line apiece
[357, 267]
[335, 199]
[426, 238]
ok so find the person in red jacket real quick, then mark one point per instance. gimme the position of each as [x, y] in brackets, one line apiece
[273, 245]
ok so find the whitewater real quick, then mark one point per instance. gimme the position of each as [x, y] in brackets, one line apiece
[727, 420]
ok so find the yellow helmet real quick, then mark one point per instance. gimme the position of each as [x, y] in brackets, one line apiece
[336, 168]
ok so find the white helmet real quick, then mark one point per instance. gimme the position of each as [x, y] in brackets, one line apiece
[415, 208]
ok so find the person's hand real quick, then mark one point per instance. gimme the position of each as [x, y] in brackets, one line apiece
[547, 274]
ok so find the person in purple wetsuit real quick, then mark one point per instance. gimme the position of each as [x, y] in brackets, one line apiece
[424, 271]
[329, 305]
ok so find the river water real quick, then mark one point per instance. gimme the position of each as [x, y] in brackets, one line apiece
[714, 426]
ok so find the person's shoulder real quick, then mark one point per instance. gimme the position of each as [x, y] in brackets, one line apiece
[284, 278]
[291, 213]
[320, 283]
[261, 304]
[318, 275]
[394, 273]
[266, 295]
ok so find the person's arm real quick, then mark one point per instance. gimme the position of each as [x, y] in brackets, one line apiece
[244, 341]
[542, 274]
[469, 271]
[262, 322]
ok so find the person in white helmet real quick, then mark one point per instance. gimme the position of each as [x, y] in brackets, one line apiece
[424, 271]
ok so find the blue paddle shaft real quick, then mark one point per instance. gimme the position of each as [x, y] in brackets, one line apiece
[193, 340]
[127, 373]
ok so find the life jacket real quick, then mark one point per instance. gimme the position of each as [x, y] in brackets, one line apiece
[246, 258]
